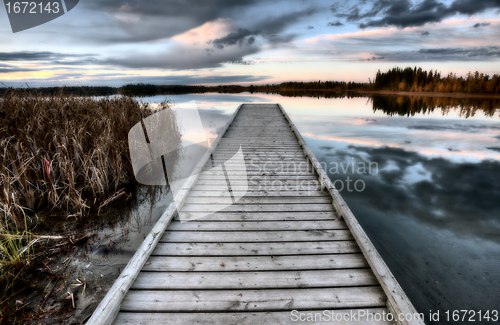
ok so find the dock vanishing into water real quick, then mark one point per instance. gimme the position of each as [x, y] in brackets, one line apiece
[288, 249]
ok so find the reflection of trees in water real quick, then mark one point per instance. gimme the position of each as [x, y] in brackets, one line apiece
[315, 93]
[407, 105]
[411, 105]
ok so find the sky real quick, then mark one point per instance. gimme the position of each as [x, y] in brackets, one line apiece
[115, 42]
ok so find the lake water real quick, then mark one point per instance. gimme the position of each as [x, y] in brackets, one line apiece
[428, 197]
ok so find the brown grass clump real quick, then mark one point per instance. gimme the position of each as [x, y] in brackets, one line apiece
[64, 154]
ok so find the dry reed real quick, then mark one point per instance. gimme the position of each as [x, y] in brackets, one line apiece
[64, 154]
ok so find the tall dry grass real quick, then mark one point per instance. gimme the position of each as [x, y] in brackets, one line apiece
[64, 154]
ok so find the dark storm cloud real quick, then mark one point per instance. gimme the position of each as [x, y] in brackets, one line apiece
[335, 24]
[98, 80]
[404, 13]
[481, 25]
[235, 38]
[374, 58]
[197, 79]
[472, 7]
[231, 48]
[199, 11]
[460, 197]
[185, 59]
[157, 19]
[269, 28]
[425, 33]
[482, 53]
[8, 68]
[494, 148]
[62, 60]
[242, 62]
[38, 56]
[11, 70]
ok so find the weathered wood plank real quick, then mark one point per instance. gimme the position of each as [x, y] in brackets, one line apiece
[255, 249]
[263, 160]
[254, 280]
[254, 263]
[257, 318]
[248, 146]
[257, 217]
[256, 207]
[258, 182]
[204, 177]
[258, 156]
[261, 138]
[252, 188]
[254, 236]
[243, 142]
[264, 142]
[258, 150]
[226, 300]
[261, 173]
[262, 225]
[263, 200]
[261, 193]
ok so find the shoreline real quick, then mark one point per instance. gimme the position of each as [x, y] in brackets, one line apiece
[428, 94]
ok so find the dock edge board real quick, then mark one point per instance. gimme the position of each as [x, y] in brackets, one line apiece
[398, 303]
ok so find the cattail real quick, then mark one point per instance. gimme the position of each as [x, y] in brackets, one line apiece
[46, 166]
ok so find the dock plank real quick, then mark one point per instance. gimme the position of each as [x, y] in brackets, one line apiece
[249, 300]
[254, 318]
[254, 236]
[257, 207]
[254, 263]
[263, 200]
[255, 249]
[262, 225]
[257, 217]
[254, 280]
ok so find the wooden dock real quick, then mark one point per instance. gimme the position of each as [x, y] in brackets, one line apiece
[290, 246]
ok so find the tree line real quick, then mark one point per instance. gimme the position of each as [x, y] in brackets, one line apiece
[418, 80]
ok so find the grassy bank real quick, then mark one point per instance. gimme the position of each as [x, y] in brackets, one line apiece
[61, 157]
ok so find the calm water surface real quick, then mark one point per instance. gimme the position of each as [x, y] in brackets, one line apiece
[430, 202]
